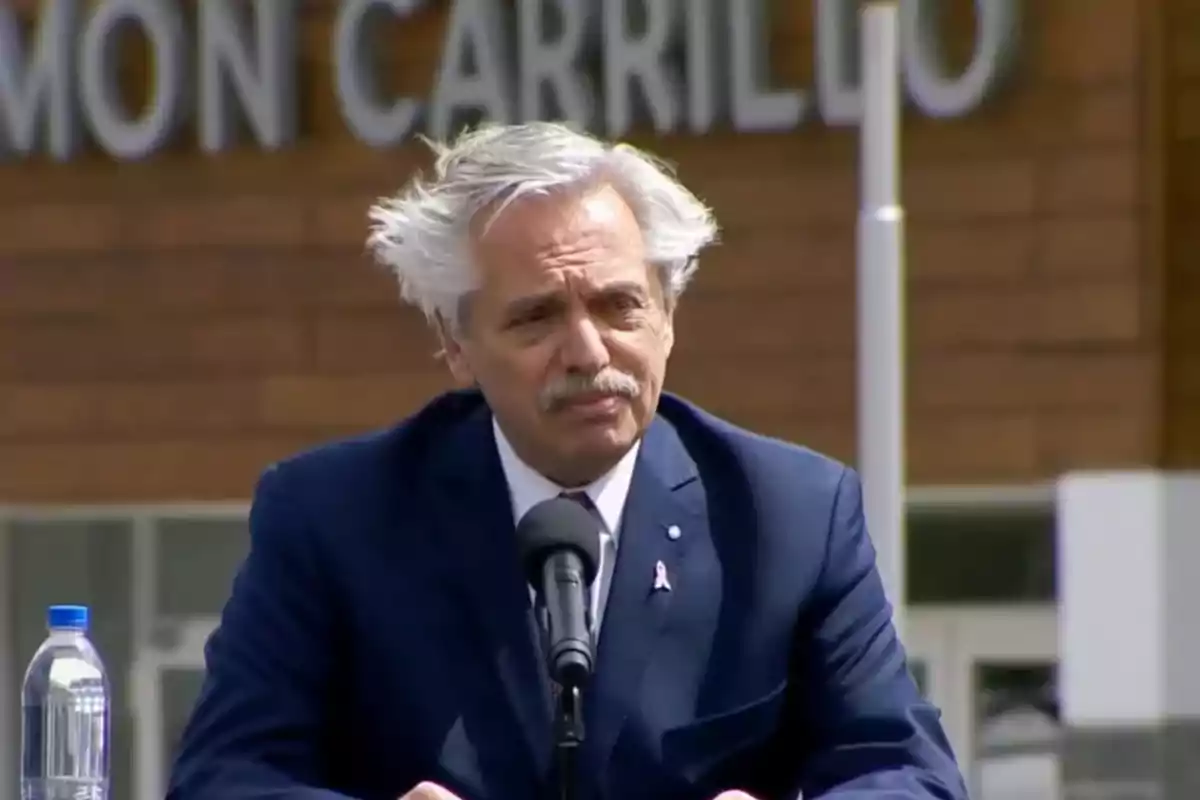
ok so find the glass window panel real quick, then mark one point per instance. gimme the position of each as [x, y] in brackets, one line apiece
[976, 557]
[180, 688]
[78, 562]
[920, 673]
[1016, 732]
[197, 559]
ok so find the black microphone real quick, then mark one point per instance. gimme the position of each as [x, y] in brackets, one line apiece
[559, 542]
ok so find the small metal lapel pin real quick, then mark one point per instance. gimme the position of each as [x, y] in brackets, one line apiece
[661, 582]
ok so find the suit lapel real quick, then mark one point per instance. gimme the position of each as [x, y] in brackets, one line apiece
[665, 493]
[477, 531]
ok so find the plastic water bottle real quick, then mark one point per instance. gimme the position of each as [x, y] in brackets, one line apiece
[65, 712]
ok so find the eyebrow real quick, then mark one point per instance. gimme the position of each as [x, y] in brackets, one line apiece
[622, 287]
[524, 305]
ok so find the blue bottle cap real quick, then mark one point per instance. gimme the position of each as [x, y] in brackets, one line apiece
[69, 617]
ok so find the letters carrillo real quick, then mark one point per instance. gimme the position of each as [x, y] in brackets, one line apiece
[728, 635]
[238, 59]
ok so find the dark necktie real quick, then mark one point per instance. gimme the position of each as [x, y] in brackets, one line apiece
[581, 498]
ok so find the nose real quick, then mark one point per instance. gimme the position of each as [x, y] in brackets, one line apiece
[584, 349]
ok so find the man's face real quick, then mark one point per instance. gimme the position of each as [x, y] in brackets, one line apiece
[568, 333]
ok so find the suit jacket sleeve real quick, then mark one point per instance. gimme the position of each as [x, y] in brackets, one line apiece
[872, 736]
[257, 728]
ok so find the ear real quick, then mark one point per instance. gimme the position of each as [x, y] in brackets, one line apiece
[456, 356]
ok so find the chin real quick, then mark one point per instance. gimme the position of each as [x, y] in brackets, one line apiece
[590, 451]
[607, 439]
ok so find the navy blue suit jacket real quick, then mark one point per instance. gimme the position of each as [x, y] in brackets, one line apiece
[379, 632]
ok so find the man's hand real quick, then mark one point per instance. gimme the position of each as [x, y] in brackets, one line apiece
[426, 790]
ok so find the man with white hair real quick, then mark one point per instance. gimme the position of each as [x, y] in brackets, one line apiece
[378, 641]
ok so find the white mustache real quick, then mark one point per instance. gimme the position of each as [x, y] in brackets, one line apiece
[607, 381]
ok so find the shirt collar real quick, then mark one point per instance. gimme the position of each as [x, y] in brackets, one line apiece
[527, 487]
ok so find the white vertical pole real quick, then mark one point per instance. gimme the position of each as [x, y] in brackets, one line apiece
[146, 675]
[881, 297]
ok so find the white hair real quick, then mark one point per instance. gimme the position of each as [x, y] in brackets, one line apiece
[420, 235]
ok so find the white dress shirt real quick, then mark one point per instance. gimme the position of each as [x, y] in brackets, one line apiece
[527, 487]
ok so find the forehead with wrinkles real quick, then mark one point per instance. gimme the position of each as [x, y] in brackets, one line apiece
[579, 243]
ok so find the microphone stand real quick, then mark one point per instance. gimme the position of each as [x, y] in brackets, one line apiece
[568, 737]
[569, 663]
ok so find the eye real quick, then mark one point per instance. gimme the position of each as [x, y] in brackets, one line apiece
[532, 316]
[624, 303]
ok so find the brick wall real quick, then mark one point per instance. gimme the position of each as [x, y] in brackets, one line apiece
[167, 328]
[1177, 191]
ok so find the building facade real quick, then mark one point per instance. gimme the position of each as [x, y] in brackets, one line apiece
[170, 326]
